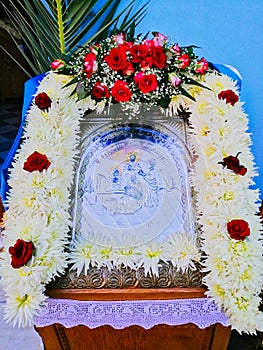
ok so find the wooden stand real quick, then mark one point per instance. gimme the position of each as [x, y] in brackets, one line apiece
[161, 337]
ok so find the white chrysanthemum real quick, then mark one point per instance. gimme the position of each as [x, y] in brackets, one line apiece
[83, 255]
[220, 82]
[24, 277]
[151, 255]
[41, 200]
[22, 306]
[128, 257]
[181, 250]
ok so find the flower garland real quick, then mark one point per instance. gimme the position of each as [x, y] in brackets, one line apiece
[37, 222]
[227, 206]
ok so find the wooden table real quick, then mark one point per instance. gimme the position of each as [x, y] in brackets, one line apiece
[160, 337]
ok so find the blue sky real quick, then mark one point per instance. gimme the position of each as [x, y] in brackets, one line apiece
[227, 32]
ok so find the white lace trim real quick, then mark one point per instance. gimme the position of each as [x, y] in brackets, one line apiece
[121, 314]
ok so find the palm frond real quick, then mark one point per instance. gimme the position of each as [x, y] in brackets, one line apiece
[55, 28]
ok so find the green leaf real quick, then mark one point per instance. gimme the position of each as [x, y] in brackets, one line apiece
[55, 28]
[191, 81]
[185, 93]
[164, 103]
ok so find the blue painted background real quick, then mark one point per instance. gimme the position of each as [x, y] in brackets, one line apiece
[227, 32]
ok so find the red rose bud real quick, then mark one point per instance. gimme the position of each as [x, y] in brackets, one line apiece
[146, 82]
[126, 46]
[232, 163]
[100, 91]
[120, 91]
[90, 64]
[57, 64]
[159, 57]
[150, 44]
[36, 162]
[21, 253]
[201, 66]
[242, 170]
[184, 61]
[43, 101]
[129, 69]
[146, 63]
[229, 96]
[238, 229]
[117, 59]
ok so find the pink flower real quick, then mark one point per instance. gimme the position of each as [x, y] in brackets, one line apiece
[119, 38]
[184, 61]
[90, 64]
[159, 39]
[176, 49]
[175, 80]
[201, 66]
[57, 64]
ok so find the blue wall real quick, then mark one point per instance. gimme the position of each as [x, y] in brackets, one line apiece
[228, 32]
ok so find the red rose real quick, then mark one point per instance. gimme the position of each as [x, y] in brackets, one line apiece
[201, 66]
[233, 164]
[100, 91]
[36, 162]
[117, 59]
[146, 63]
[159, 57]
[43, 101]
[184, 61]
[138, 52]
[150, 44]
[21, 253]
[238, 229]
[146, 82]
[90, 64]
[229, 96]
[129, 69]
[57, 64]
[120, 91]
[126, 45]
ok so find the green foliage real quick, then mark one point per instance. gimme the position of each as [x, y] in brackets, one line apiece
[57, 28]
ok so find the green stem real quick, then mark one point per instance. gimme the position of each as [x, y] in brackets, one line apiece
[60, 28]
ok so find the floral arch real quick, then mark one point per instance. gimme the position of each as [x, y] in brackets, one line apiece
[157, 73]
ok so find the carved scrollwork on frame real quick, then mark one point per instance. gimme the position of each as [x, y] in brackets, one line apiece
[122, 277]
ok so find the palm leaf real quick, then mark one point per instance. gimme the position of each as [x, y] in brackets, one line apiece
[55, 28]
